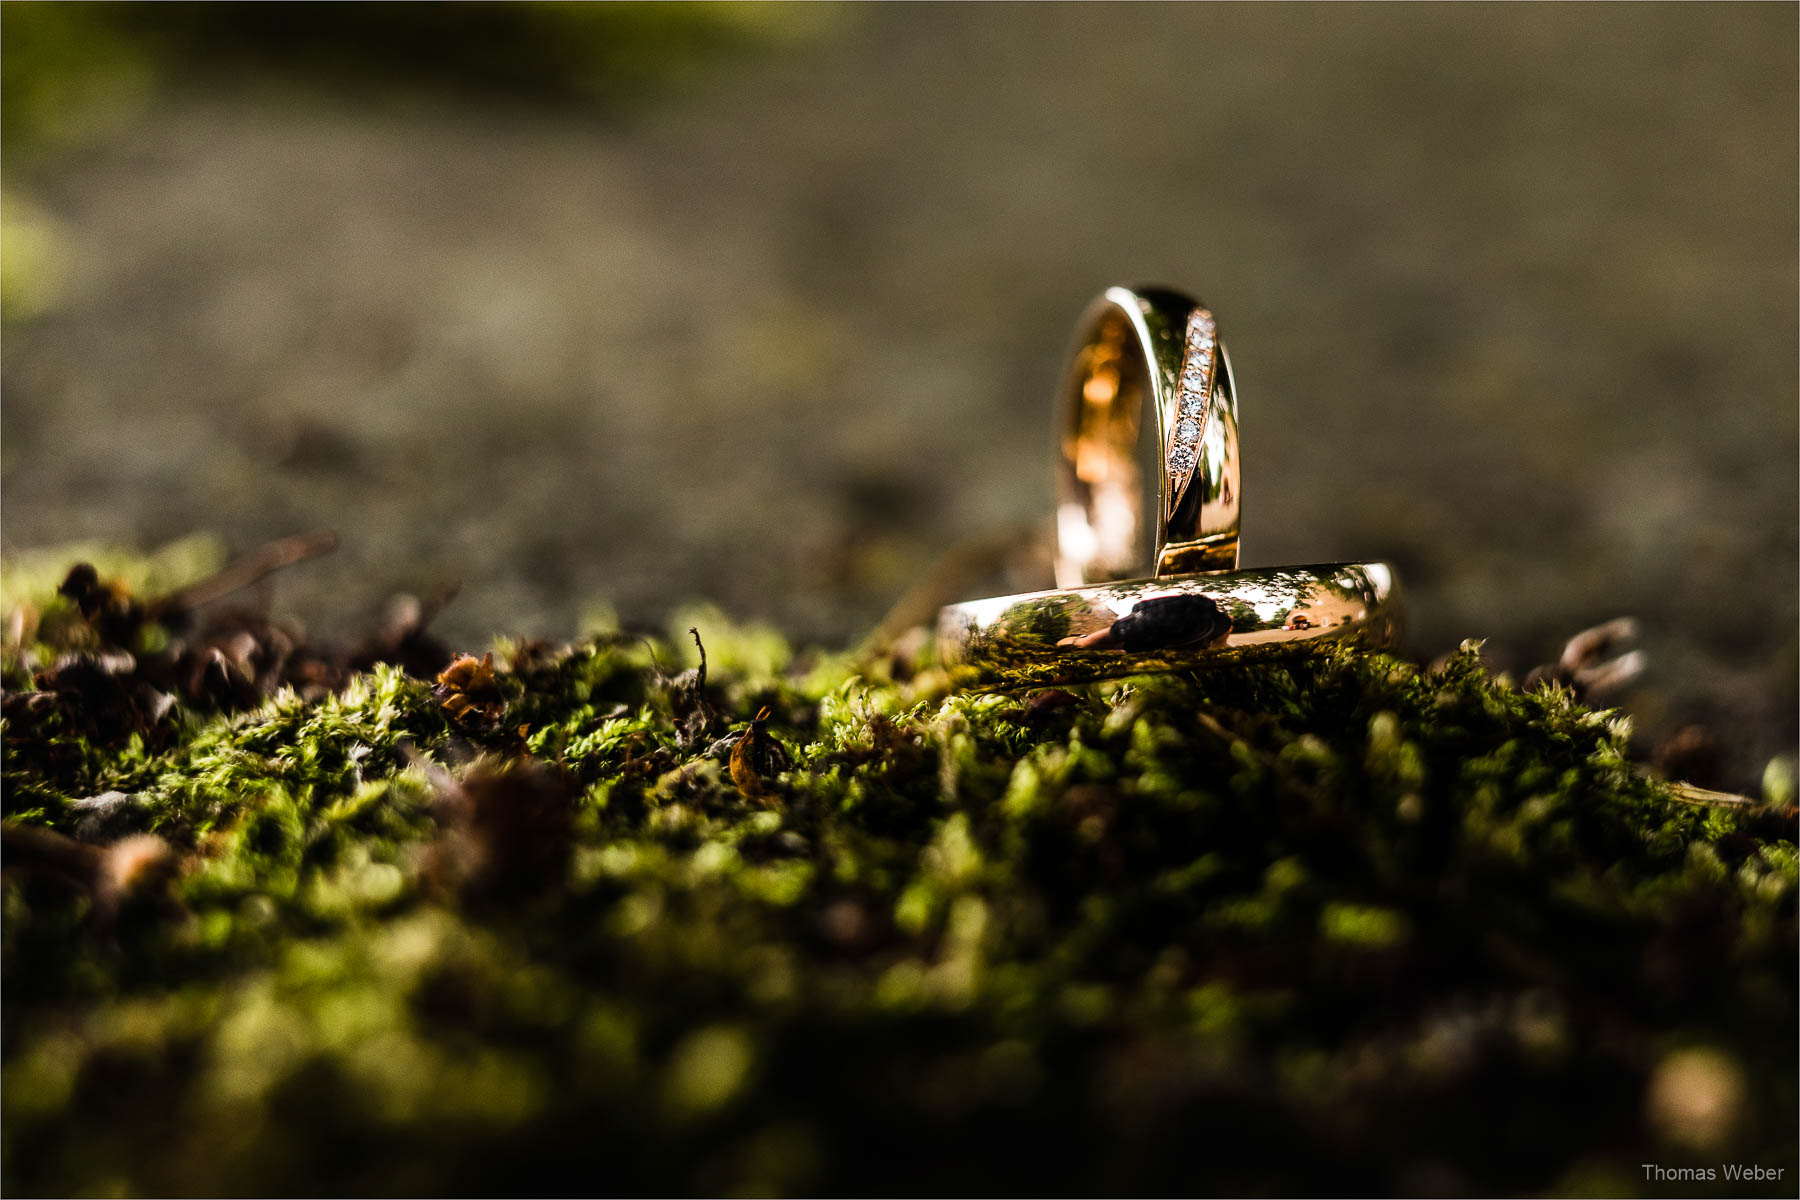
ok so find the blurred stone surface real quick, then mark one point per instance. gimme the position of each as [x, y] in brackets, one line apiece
[1511, 294]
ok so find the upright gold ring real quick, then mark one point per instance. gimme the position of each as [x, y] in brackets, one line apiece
[1148, 391]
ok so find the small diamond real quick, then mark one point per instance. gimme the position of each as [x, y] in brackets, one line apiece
[1188, 431]
[1181, 458]
[1192, 404]
[1194, 378]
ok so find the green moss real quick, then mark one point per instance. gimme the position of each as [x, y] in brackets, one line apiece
[1337, 926]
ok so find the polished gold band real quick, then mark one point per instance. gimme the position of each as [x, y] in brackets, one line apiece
[1146, 357]
[1143, 626]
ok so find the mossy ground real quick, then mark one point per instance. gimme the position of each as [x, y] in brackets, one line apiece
[1343, 927]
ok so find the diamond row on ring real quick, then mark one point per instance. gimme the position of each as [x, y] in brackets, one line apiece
[1198, 358]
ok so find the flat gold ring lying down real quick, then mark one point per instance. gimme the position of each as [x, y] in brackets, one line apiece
[1142, 626]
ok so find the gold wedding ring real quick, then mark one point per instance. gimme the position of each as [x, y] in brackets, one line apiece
[1148, 408]
[1144, 626]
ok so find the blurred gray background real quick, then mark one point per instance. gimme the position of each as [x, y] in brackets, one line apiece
[1511, 293]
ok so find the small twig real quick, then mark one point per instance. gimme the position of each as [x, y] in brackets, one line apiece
[948, 579]
[247, 570]
[701, 646]
[1689, 793]
[1596, 662]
